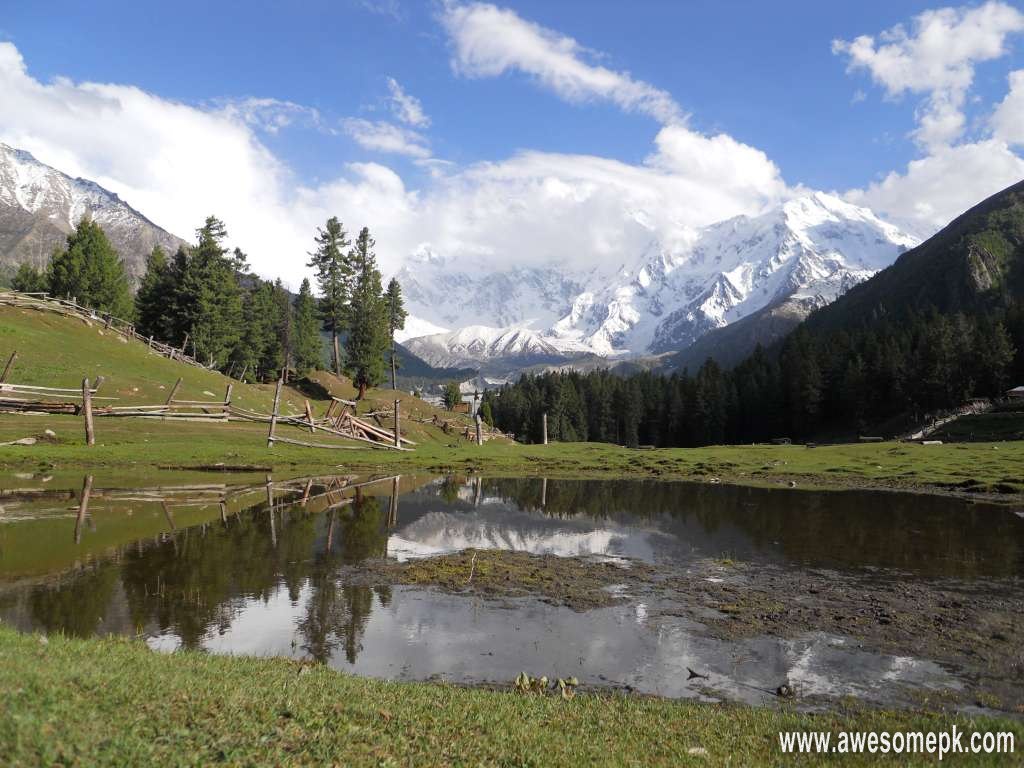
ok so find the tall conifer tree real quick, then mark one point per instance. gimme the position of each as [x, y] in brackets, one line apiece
[90, 270]
[334, 276]
[308, 350]
[367, 318]
[396, 322]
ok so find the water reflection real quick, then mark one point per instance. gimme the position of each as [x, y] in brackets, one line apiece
[260, 567]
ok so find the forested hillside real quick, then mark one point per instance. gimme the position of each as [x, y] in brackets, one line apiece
[945, 323]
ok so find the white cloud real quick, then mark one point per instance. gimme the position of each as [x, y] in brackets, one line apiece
[178, 163]
[937, 58]
[489, 41]
[270, 115]
[382, 136]
[1008, 118]
[406, 107]
[936, 189]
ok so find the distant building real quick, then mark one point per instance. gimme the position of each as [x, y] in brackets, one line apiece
[1017, 393]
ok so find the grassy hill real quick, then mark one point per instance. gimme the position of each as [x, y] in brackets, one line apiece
[58, 351]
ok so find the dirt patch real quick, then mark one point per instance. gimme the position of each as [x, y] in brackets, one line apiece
[579, 583]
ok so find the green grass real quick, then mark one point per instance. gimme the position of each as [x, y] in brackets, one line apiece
[115, 702]
[134, 445]
[58, 351]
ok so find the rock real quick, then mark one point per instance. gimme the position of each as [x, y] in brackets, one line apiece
[49, 433]
[697, 752]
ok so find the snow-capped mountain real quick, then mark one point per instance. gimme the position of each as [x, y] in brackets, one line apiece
[477, 344]
[39, 205]
[807, 251]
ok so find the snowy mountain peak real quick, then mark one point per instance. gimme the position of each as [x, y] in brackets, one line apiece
[480, 343]
[39, 205]
[813, 247]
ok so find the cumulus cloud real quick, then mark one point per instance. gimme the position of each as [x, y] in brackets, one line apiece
[382, 136]
[178, 163]
[488, 41]
[937, 57]
[406, 107]
[936, 189]
[1008, 118]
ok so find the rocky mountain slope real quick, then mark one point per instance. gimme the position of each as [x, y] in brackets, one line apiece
[39, 205]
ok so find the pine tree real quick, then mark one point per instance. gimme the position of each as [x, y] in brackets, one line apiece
[283, 327]
[396, 322]
[334, 276]
[367, 318]
[308, 351]
[451, 395]
[89, 270]
[28, 279]
[155, 299]
[211, 298]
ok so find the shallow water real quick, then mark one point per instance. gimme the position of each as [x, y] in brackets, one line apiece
[252, 565]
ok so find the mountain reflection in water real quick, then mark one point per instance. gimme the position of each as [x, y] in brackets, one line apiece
[260, 568]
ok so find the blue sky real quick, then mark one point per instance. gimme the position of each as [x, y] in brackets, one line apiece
[766, 75]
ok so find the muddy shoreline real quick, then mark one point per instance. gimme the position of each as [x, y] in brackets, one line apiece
[974, 628]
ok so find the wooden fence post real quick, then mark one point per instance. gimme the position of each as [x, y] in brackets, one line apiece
[309, 417]
[90, 438]
[479, 430]
[544, 426]
[7, 368]
[227, 401]
[174, 391]
[398, 432]
[273, 414]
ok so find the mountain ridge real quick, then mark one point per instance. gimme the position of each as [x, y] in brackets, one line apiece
[40, 205]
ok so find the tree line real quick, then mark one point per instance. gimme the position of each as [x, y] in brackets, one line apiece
[205, 298]
[843, 382]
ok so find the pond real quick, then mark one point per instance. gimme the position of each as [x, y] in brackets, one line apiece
[742, 589]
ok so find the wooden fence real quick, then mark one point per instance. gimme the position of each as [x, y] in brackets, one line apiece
[71, 308]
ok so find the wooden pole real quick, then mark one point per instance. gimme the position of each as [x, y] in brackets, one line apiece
[309, 417]
[99, 383]
[83, 507]
[174, 391]
[398, 433]
[7, 368]
[394, 371]
[241, 376]
[90, 438]
[393, 507]
[544, 426]
[479, 430]
[270, 500]
[227, 401]
[273, 415]
[337, 356]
